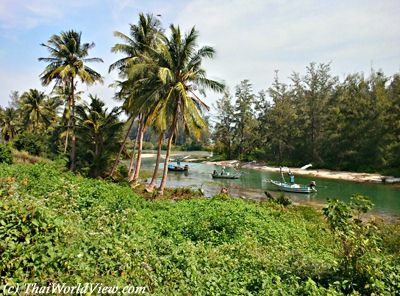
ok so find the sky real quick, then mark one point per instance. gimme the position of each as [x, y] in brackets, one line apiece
[253, 38]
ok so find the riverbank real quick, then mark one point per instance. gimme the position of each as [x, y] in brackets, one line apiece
[87, 230]
[328, 174]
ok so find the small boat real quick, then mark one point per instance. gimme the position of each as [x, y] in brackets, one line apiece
[296, 188]
[178, 168]
[225, 176]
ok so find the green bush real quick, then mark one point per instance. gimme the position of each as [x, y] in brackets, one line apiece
[5, 154]
[30, 142]
[58, 227]
[148, 146]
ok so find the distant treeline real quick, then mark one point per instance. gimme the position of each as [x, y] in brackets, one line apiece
[352, 124]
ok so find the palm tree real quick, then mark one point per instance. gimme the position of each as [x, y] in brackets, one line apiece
[35, 113]
[142, 37]
[9, 123]
[63, 93]
[67, 62]
[98, 130]
[179, 75]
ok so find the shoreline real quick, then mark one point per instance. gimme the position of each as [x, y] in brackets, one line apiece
[319, 173]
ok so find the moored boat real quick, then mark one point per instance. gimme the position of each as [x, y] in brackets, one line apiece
[293, 187]
[178, 168]
[225, 176]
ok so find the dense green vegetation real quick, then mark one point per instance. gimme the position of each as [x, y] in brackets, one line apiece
[70, 229]
[347, 125]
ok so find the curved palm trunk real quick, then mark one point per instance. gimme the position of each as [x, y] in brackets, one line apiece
[122, 148]
[142, 129]
[73, 142]
[152, 184]
[165, 170]
[132, 157]
[68, 125]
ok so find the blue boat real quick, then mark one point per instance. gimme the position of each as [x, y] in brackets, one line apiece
[178, 168]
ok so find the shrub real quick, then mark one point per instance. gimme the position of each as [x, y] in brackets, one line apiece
[5, 154]
[358, 242]
[30, 142]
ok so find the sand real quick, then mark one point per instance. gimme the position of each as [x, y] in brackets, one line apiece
[338, 175]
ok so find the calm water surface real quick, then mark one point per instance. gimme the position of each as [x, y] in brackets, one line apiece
[252, 184]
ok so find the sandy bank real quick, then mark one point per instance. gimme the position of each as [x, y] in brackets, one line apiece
[338, 175]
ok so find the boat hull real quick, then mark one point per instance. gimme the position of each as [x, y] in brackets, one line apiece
[173, 168]
[225, 176]
[295, 188]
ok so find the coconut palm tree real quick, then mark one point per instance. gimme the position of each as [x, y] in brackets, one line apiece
[98, 130]
[172, 94]
[35, 112]
[9, 122]
[142, 37]
[67, 63]
[63, 93]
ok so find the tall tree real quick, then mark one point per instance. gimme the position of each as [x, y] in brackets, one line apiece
[9, 123]
[98, 131]
[66, 63]
[142, 37]
[244, 123]
[311, 94]
[179, 73]
[281, 123]
[35, 112]
[223, 131]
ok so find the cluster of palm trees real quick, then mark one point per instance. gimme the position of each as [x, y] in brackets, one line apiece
[34, 111]
[160, 77]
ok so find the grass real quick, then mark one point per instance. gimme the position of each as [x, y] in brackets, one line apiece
[58, 227]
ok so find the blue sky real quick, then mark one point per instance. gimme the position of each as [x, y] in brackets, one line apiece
[252, 38]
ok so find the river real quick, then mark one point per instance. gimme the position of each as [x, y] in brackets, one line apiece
[252, 184]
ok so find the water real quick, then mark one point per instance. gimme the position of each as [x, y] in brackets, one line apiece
[252, 184]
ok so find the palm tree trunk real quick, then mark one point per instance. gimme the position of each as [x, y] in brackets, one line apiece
[73, 142]
[150, 187]
[165, 170]
[133, 156]
[139, 155]
[122, 148]
[68, 125]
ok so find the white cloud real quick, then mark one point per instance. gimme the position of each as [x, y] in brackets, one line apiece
[253, 38]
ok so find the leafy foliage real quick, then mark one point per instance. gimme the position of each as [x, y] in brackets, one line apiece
[70, 229]
[98, 131]
[319, 119]
[33, 143]
[5, 154]
[359, 243]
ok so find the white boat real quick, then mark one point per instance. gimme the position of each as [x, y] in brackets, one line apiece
[297, 188]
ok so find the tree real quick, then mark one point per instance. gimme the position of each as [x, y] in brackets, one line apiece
[280, 123]
[171, 89]
[63, 94]
[142, 37]
[311, 94]
[244, 119]
[98, 131]
[9, 123]
[35, 111]
[223, 133]
[67, 62]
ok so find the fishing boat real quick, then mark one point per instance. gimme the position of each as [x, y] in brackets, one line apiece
[293, 187]
[178, 168]
[225, 176]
